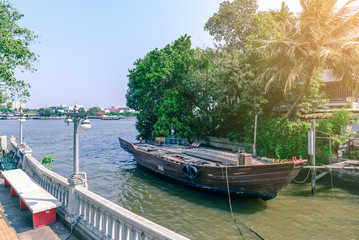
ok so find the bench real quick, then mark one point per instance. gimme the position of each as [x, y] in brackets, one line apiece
[41, 203]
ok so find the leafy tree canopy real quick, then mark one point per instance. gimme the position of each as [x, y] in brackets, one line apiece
[233, 23]
[93, 110]
[15, 53]
[157, 73]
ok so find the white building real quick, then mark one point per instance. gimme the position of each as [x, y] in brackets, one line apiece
[17, 105]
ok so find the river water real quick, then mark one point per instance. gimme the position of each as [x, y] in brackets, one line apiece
[333, 213]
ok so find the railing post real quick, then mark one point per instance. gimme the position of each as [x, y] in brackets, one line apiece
[12, 142]
[27, 152]
[72, 206]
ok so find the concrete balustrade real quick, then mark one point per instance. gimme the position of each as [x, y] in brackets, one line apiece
[95, 216]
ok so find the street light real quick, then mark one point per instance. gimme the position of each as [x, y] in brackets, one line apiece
[76, 180]
[21, 119]
[75, 117]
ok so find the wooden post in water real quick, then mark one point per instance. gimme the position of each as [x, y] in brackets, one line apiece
[255, 136]
[312, 129]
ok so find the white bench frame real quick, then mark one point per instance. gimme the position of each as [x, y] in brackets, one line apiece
[41, 203]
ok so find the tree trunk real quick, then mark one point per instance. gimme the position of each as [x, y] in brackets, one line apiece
[301, 95]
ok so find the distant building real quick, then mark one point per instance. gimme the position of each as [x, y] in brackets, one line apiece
[112, 110]
[339, 95]
[123, 109]
[17, 105]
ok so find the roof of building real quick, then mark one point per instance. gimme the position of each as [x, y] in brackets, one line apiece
[113, 109]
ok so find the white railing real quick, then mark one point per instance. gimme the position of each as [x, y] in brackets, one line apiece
[101, 218]
[117, 222]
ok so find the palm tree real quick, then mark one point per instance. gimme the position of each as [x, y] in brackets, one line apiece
[321, 38]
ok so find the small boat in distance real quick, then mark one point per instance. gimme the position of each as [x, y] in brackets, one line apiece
[217, 170]
[107, 117]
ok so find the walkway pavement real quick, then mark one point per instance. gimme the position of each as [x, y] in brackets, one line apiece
[16, 224]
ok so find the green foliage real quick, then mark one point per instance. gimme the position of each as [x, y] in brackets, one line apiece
[172, 109]
[15, 53]
[233, 23]
[217, 92]
[354, 154]
[49, 159]
[93, 110]
[335, 129]
[311, 43]
[159, 72]
[45, 112]
[282, 138]
[229, 98]
[128, 114]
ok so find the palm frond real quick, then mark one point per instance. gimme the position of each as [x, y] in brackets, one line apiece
[345, 25]
[293, 76]
[271, 80]
[323, 53]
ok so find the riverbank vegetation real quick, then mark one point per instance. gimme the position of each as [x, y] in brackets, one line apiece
[265, 63]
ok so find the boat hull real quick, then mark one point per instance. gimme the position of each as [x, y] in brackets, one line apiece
[263, 181]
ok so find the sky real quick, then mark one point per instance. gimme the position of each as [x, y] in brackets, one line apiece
[86, 48]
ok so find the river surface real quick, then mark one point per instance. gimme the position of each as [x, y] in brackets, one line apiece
[333, 213]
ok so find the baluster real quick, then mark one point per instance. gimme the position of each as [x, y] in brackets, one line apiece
[136, 234]
[47, 184]
[99, 219]
[87, 212]
[111, 226]
[117, 230]
[128, 232]
[92, 216]
[66, 197]
[104, 223]
[61, 195]
[56, 193]
[52, 187]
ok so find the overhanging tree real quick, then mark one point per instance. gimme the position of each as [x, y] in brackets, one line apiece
[322, 38]
[14, 52]
[150, 82]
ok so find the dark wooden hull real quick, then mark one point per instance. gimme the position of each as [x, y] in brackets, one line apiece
[263, 181]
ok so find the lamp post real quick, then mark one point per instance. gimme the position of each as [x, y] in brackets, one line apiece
[76, 179]
[21, 119]
[85, 124]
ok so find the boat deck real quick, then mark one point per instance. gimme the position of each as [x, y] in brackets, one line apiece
[197, 156]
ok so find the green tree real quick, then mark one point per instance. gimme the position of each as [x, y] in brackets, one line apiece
[93, 110]
[44, 112]
[227, 99]
[159, 72]
[233, 23]
[321, 38]
[15, 53]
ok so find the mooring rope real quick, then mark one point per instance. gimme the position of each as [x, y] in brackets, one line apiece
[230, 206]
[303, 180]
[331, 175]
[234, 219]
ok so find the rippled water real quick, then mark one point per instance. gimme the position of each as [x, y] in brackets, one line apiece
[113, 174]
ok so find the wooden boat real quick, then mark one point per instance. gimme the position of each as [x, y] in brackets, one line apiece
[217, 170]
